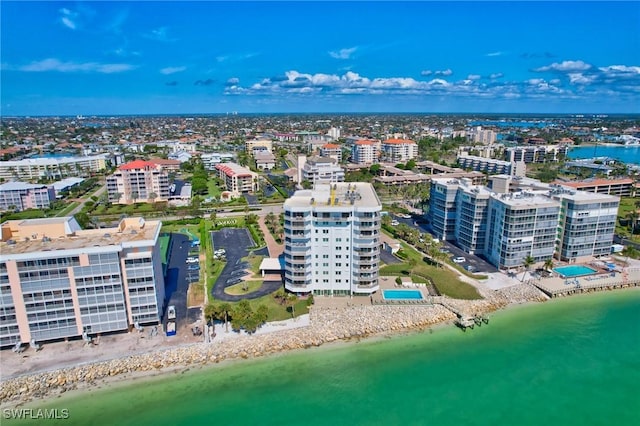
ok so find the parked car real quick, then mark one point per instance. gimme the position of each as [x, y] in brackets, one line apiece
[395, 223]
[470, 268]
[233, 281]
[192, 260]
[459, 259]
[193, 267]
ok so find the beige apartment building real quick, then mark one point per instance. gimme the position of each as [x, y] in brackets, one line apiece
[138, 181]
[60, 281]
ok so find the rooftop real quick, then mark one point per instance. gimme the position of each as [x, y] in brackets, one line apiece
[399, 141]
[138, 164]
[17, 186]
[341, 194]
[63, 233]
[595, 182]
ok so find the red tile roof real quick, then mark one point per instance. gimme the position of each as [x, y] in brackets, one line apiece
[330, 146]
[138, 164]
[364, 142]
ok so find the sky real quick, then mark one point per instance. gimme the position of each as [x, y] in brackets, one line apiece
[170, 57]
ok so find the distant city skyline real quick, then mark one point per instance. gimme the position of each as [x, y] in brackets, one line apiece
[127, 58]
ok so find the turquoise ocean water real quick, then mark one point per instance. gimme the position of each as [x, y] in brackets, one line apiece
[627, 154]
[574, 361]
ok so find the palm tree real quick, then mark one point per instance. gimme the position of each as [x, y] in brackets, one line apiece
[225, 308]
[548, 264]
[527, 262]
[291, 302]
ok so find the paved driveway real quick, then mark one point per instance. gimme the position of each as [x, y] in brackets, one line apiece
[176, 282]
[236, 242]
[480, 264]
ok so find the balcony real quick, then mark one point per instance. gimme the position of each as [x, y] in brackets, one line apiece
[366, 260]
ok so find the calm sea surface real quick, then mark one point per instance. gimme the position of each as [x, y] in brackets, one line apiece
[627, 154]
[574, 361]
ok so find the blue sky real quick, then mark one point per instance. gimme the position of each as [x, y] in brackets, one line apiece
[69, 58]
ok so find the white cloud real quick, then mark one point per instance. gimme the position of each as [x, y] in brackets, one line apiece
[235, 57]
[68, 18]
[233, 81]
[172, 70]
[620, 71]
[159, 34]
[343, 53]
[495, 53]
[426, 72]
[52, 64]
[496, 75]
[569, 85]
[579, 78]
[565, 66]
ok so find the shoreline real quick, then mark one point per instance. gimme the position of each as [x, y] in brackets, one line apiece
[328, 327]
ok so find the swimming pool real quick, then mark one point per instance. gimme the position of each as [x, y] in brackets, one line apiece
[402, 294]
[574, 271]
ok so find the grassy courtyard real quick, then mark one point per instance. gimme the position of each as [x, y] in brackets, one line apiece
[445, 280]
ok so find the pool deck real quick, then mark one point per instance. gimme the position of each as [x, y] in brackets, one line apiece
[558, 287]
[389, 283]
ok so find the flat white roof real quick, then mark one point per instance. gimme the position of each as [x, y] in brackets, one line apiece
[340, 194]
[271, 264]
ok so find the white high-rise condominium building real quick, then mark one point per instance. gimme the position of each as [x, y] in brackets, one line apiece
[483, 136]
[587, 222]
[322, 170]
[506, 227]
[138, 181]
[399, 150]
[364, 152]
[59, 281]
[332, 240]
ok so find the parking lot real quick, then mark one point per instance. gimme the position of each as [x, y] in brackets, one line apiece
[477, 264]
[177, 281]
[236, 243]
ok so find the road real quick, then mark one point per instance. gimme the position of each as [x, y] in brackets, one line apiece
[79, 207]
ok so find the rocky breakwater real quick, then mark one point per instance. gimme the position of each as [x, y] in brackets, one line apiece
[326, 325]
[498, 299]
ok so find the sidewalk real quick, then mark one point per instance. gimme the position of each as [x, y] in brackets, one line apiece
[274, 248]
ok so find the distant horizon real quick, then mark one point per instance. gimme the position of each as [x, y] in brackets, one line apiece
[239, 114]
[263, 57]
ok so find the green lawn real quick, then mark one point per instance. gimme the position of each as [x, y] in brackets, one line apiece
[277, 312]
[445, 280]
[164, 247]
[254, 262]
[213, 188]
[627, 205]
[239, 289]
[67, 210]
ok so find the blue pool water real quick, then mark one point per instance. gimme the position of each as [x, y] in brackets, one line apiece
[574, 271]
[402, 294]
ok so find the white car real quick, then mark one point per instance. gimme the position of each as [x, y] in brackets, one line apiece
[395, 223]
[459, 259]
[192, 260]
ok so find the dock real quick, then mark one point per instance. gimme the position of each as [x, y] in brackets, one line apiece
[464, 321]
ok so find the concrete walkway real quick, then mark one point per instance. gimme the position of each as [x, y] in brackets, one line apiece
[275, 249]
